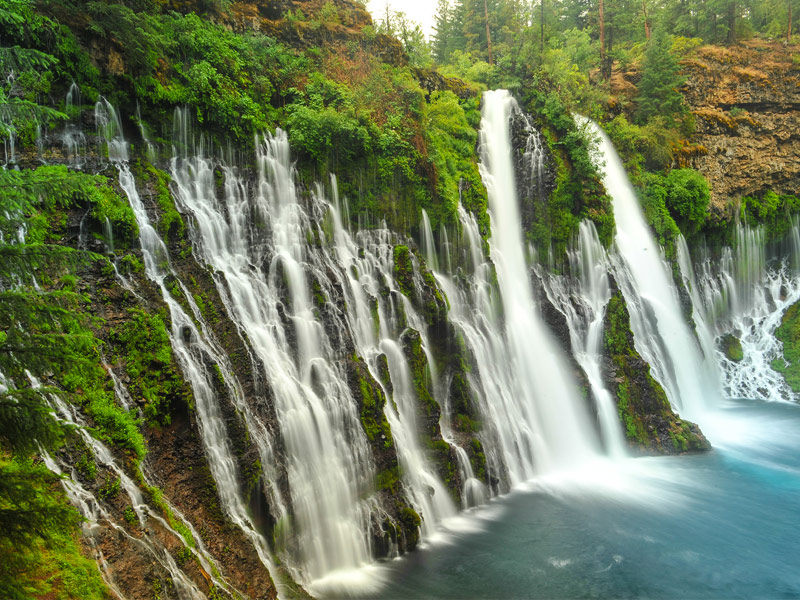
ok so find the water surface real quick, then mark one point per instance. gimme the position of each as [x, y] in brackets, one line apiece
[720, 525]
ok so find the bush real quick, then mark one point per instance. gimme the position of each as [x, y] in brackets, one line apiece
[687, 199]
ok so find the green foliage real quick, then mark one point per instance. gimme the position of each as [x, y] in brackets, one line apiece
[34, 197]
[110, 489]
[648, 146]
[579, 192]
[658, 88]
[771, 210]
[687, 198]
[38, 538]
[146, 351]
[451, 139]
[653, 197]
[788, 333]
[25, 73]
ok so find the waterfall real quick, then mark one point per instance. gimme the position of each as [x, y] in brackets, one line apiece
[661, 333]
[73, 139]
[191, 342]
[743, 294]
[583, 298]
[562, 435]
[368, 263]
[257, 244]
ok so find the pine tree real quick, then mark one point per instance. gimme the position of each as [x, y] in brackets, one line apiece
[658, 88]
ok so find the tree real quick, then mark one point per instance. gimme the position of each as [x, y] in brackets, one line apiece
[24, 74]
[658, 88]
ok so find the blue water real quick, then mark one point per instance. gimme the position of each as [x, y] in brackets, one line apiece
[720, 525]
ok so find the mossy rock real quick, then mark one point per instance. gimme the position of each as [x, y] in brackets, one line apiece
[788, 332]
[732, 347]
[650, 424]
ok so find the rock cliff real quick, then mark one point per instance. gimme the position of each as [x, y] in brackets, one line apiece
[746, 101]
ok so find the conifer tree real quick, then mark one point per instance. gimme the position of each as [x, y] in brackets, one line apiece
[661, 80]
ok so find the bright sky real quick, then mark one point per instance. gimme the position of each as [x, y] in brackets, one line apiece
[421, 11]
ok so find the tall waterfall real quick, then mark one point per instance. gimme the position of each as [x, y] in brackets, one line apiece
[561, 433]
[661, 332]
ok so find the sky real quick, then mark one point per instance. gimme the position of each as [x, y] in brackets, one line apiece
[421, 11]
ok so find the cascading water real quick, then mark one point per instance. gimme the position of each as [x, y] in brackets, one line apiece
[73, 139]
[190, 340]
[661, 333]
[583, 298]
[474, 491]
[258, 245]
[562, 435]
[744, 295]
[369, 270]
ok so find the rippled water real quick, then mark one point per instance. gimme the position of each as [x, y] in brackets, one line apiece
[720, 525]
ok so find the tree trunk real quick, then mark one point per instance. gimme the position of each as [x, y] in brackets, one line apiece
[646, 21]
[731, 23]
[789, 28]
[602, 39]
[541, 19]
[488, 34]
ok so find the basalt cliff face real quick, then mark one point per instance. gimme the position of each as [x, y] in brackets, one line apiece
[746, 101]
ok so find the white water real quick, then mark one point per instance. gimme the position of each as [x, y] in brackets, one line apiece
[562, 435]
[661, 333]
[367, 273]
[190, 339]
[583, 298]
[257, 242]
[743, 294]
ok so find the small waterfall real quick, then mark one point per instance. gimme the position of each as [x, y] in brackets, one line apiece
[474, 491]
[743, 294]
[96, 515]
[583, 298]
[109, 132]
[151, 150]
[661, 334]
[428, 245]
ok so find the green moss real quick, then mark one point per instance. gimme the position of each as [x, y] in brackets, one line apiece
[410, 522]
[477, 459]
[404, 270]
[789, 334]
[371, 401]
[732, 347]
[420, 372]
[388, 479]
[145, 349]
[642, 404]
